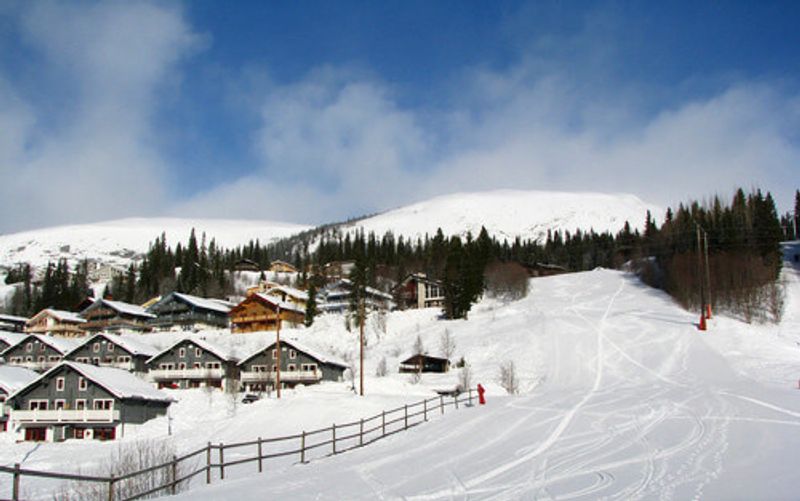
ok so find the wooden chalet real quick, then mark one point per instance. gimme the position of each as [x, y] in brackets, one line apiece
[286, 294]
[12, 323]
[56, 323]
[38, 353]
[12, 379]
[246, 265]
[418, 291]
[425, 363]
[193, 363]
[545, 270]
[338, 269]
[9, 339]
[82, 401]
[260, 312]
[183, 312]
[336, 297]
[116, 316]
[299, 365]
[279, 266]
[113, 350]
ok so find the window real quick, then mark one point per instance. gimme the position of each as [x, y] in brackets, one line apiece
[29, 358]
[60, 404]
[16, 360]
[274, 368]
[123, 359]
[259, 368]
[80, 404]
[274, 354]
[110, 347]
[42, 359]
[182, 366]
[166, 367]
[292, 354]
[182, 352]
[79, 433]
[59, 384]
[37, 405]
[83, 360]
[96, 360]
[309, 367]
[197, 365]
[96, 347]
[213, 365]
[29, 347]
[42, 347]
[198, 352]
[103, 404]
[54, 358]
[82, 384]
[291, 367]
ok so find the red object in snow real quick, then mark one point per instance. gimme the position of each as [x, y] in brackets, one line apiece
[481, 398]
[708, 311]
[702, 325]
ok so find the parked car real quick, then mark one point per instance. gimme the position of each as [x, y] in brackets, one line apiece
[250, 398]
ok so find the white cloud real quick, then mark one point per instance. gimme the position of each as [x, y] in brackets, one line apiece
[97, 162]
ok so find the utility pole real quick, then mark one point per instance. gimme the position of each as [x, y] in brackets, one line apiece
[278, 351]
[700, 275]
[361, 342]
[708, 274]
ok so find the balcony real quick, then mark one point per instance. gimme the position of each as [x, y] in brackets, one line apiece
[35, 366]
[168, 374]
[286, 376]
[65, 416]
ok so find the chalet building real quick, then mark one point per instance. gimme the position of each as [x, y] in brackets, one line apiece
[419, 291]
[56, 323]
[299, 365]
[338, 269]
[103, 272]
[115, 316]
[38, 353]
[12, 378]
[12, 323]
[545, 270]
[335, 297]
[263, 286]
[193, 363]
[279, 266]
[183, 312]
[81, 401]
[289, 295]
[260, 312]
[9, 339]
[113, 350]
[246, 265]
[425, 363]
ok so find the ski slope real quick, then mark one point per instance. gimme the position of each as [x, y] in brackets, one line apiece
[632, 402]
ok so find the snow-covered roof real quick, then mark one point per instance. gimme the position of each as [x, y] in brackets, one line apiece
[325, 359]
[206, 304]
[60, 344]
[345, 285]
[118, 382]
[221, 352]
[12, 378]
[132, 346]
[289, 291]
[60, 315]
[284, 305]
[12, 338]
[12, 318]
[122, 307]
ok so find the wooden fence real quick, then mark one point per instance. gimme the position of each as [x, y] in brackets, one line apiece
[305, 446]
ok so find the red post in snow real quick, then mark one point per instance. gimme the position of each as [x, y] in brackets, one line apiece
[481, 398]
[708, 311]
[702, 325]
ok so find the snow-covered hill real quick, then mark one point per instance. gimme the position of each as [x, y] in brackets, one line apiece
[116, 242]
[508, 214]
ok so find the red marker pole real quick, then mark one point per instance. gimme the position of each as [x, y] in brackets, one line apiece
[481, 398]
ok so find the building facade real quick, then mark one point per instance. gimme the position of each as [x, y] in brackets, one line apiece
[298, 365]
[38, 353]
[183, 312]
[260, 312]
[193, 363]
[115, 316]
[56, 323]
[112, 350]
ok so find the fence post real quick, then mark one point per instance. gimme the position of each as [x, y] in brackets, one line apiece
[208, 463]
[470, 396]
[260, 458]
[361, 432]
[441, 403]
[174, 486]
[15, 486]
[405, 416]
[383, 423]
[425, 409]
[110, 488]
[303, 447]
[334, 437]
[221, 461]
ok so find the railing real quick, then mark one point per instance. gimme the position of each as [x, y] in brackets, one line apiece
[300, 448]
[36, 366]
[201, 373]
[64, 416]
[286, 376]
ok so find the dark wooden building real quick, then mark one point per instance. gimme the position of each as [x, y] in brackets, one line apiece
[115, 316]
[193, 363]
[12, 379]
[9, 339]
[113, 350]
[183, 312]
[299, 365]
[261, 312]
[424, 363]
[38, 353]
[418, 291]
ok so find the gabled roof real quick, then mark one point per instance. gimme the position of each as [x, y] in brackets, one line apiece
[438, 357]
[120, 307]
[219, 351]
[321, 357]
[197, 302]
[132, 346]
[13, 319]
[60, 344]
[289, 291]
[12, 378]
[60, 315]
[347, 284]
[12, 338]
[272, 300]
[118, 382]
[419, 277]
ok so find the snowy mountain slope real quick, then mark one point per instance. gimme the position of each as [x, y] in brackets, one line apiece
[621, 397]
[508, 214]
[116, 242]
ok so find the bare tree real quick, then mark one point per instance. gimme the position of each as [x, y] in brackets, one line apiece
[447, 344]
[419, 348]
[465, 378]
[506, 281]
[508, 377]
[381, 370]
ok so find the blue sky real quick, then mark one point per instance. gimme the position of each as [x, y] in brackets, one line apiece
[318, 111]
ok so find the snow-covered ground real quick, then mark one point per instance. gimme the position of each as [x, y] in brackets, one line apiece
[621, 397]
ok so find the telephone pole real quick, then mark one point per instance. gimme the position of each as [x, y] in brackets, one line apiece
[278, 352]
[361, 342]
[700, 275]
[708, 274]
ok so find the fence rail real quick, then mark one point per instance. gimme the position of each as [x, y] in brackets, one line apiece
[337, 439]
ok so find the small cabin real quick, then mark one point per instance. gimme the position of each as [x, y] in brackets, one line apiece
[12, 379]
[424, 363]
[183, 312]
[298, 365]
[113, 350]
[246, 265]
[418, 291]
[116, 316]
[193, 363]
[38, 353]
[80, 401]
[56, 323]
[260, 312]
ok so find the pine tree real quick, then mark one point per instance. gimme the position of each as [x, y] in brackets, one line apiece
[311, 304]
